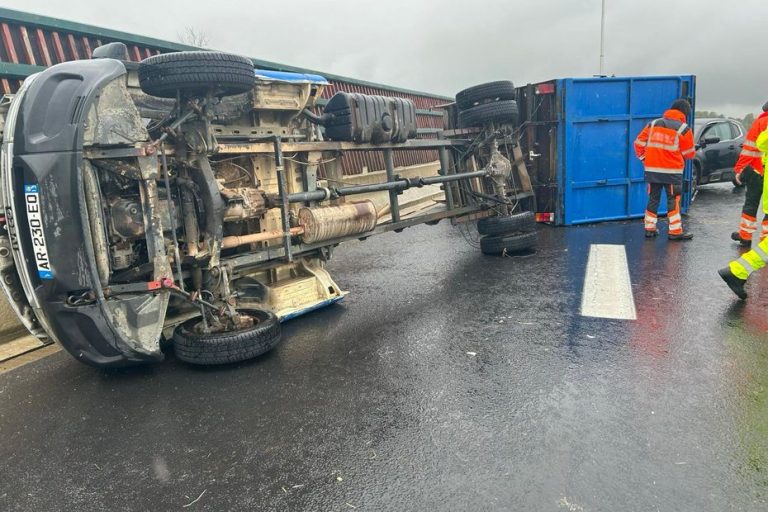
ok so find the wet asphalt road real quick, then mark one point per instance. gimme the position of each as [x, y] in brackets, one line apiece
[375, 404]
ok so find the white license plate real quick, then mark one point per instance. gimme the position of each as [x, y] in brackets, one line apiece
[35, 220]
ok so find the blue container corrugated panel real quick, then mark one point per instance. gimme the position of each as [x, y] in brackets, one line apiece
[600, 177]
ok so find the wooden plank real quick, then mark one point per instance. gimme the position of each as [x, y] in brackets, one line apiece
[8, 42]
[292, 147]
[43, 47]
[18, 346]
[522, 171]
[58, 47]
[29, 357]
[87, 46]
[27, 46]
[73, 46]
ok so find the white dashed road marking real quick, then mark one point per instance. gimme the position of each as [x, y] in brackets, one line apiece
[607, 288]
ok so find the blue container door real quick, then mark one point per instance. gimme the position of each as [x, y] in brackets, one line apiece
[600, 177]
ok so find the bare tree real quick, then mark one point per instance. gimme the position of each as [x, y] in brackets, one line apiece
[193, 36]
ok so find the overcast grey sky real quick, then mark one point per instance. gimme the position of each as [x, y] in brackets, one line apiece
[442, 46]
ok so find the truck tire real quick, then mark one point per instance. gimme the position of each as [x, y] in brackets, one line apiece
[227, 347]
[525, 221]
[196, 74]
[501, 112]
[502, 245]
[492, 91]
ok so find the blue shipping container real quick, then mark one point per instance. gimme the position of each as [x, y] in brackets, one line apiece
[598, 119]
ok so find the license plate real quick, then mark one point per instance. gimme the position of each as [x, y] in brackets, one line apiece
[35, 220]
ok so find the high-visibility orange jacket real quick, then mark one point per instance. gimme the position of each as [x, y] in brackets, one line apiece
[750, 155]
[663, 146]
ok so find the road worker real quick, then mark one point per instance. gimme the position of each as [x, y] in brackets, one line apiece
[663, 146]
[749, 171]
[736, 273]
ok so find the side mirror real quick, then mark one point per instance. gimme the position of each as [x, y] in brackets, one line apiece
[710, 140]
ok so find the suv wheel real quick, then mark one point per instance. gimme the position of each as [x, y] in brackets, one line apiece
[695, 180]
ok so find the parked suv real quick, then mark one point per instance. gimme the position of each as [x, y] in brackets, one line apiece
[718, 144]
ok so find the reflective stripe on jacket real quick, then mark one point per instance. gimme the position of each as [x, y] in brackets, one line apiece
[663, 146]
[750, 155]
[762, 146]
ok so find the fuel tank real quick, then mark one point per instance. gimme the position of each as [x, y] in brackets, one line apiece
[361, 118]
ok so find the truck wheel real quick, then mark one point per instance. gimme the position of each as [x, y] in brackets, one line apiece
[195, 347]
[525, 221]
[196, 74]
[492, 91]
[502, 112]
[502, 245]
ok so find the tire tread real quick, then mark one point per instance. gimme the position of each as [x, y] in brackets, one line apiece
[195, 72]
[524, 221]
[494, 91]
[221, 348]
[508, 244]
[485, 113]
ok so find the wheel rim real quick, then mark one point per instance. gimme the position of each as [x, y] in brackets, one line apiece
[255, 320]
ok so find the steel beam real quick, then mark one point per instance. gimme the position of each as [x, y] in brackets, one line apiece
[394, 205]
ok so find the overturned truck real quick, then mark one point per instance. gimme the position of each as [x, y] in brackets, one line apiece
[193, 199]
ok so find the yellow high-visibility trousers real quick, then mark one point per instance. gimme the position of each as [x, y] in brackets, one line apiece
[757, 258]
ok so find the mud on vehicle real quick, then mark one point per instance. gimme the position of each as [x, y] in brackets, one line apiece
[192, 198]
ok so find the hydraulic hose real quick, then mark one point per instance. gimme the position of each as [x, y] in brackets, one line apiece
[316, 119]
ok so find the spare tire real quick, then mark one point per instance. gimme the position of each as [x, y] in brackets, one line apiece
[492, 91]
[525, 221]
[196, 74]
[500, 112]
[195, 347]
[502, 245]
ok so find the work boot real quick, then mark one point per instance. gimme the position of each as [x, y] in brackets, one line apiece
[680, 236]
[734, 283]
[736, 237]
[651, 233]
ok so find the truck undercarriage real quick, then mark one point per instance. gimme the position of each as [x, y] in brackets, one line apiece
[196, 199]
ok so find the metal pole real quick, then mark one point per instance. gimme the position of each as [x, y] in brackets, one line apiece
[602, 40]
[389, 164]
[283, 190]
[172, 211]
[396, 186]
[444, 166]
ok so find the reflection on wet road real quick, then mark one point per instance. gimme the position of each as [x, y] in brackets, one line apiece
[446, 381]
